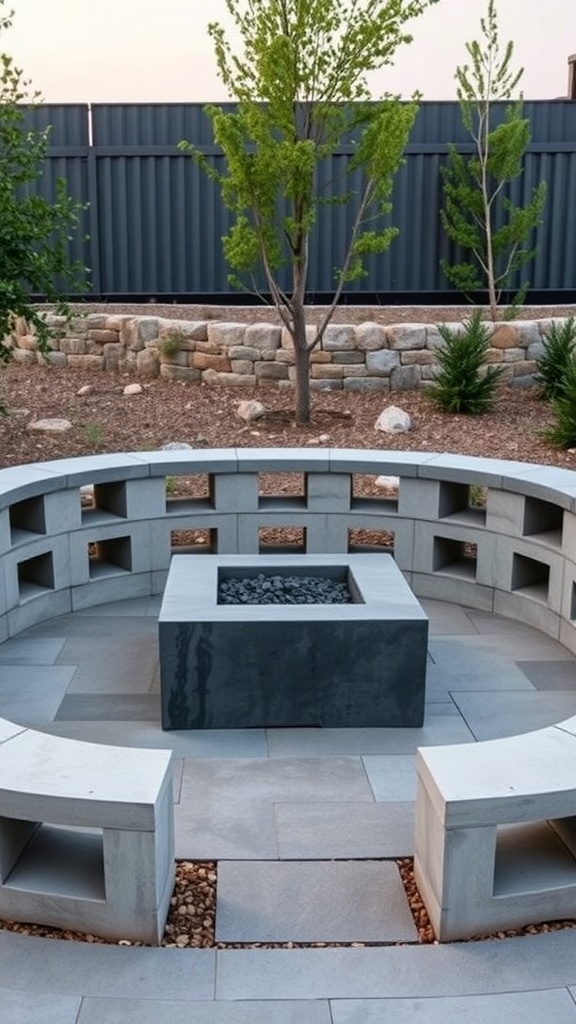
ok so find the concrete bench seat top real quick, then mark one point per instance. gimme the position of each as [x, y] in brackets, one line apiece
[514, 779]
[72, 782]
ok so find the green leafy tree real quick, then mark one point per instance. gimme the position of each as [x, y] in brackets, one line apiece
[300, 82]
[477, 213]
[464, 384]
[34, 233]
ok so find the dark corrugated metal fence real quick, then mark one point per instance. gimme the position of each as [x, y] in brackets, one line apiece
[154, 221]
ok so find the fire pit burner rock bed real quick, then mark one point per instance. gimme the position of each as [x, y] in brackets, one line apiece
[275, 589]
[234, 666]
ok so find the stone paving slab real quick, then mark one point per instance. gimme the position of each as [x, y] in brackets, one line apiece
[31, 650]
[391, 776]
[544, 961]
[227, 807]
[32, 694]
[123, 707]
[553, 1005]
[344, 830]
[110, 664]
[170, 1011]
[56, 967]
[550, 675]
[319, 901]
[341, 742]
[26, 1008]
[210, 744]
[508, 714]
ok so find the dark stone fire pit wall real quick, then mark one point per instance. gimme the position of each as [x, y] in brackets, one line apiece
[261, 666]
[516, 555]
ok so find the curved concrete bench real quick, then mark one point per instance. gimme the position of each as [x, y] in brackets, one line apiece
[86, 835]
[495, 842]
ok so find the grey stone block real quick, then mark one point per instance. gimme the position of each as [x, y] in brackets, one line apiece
[405, 378]
[381, 362]
[366, 384]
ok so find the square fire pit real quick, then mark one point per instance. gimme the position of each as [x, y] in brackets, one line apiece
[238, 666]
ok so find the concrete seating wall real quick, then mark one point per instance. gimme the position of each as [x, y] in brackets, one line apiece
[86, 835]
[512, 553]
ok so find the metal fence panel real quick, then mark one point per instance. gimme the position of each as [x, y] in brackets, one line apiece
[156, 221]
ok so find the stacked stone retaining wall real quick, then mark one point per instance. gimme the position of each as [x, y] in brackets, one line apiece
[362, 357]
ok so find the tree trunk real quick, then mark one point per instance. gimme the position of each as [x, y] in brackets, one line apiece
[302, 383]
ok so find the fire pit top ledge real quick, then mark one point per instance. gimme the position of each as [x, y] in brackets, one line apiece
[192, 593]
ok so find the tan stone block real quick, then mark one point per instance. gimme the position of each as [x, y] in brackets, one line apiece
[283, 355]
[421, 357]
[311, 332]
[318, 356]
[189, 330]
[147, 362]
[370, 337]
[187, 374]
[204, 361]
[407, 336]
[78, 325]
[514, 355]
[494, 355]
[242, 366]
[338, 336]
[129, 335]
[179, 358]
[102, 337]
[225, 335]
[73, 346]
[354, 370]
[504, 336]
[270, 371]
[28, 341]
[112, 356]
[86, 362]
[325, 371]
[263, 336]
[53, 358]
[229, 379]
[525, 369]
[97, 322]
[114, 323]
[24, 355]
[208, 346]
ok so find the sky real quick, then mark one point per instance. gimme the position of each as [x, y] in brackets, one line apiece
[146, 51]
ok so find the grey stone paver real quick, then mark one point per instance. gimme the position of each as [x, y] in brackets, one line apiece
[515, 1008]
[339, 742]
[18, 1007]
[170, 1011]
[227, 807]
[81, 968]
[341, 830]
[210, 744]
[550, 675]
[507, 714]
[123, 707]
[33, 695]
[544, 961]
[391, 776]
[31, 651]
[337, 901]
[111, 664]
